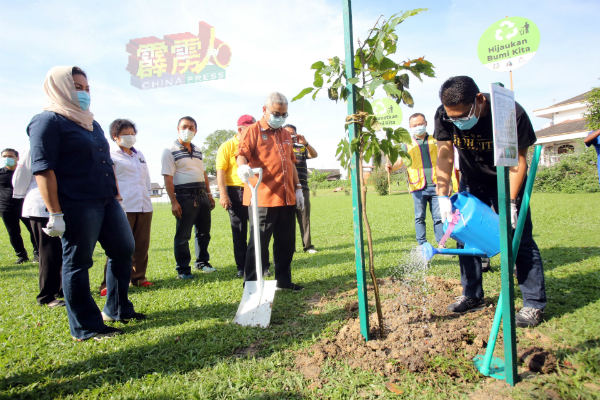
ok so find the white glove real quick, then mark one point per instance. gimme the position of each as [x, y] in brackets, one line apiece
[514, 215]
[55, 225]
[445, 208]
[299, 199]
[245, 173]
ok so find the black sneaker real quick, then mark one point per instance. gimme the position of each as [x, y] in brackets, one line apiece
[240, 274]
[22, 260]
[266, 274]
[528, 317]
[136, 316]
[466, 304]
[293, 287]
[485, 265]
[205, 267]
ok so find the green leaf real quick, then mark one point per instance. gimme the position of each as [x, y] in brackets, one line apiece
[392, 89]
[389, 132]
[379, 51]
[318, 79]
[404, 80]
[333, 94]
[386, 63]
[402, 136]
[393, 155]
[354, 144]
[318, 65]
[368, 121]
[375, 84]
[303, 93]
[361, 101]
[315, 93]
[407, 99]
[406, 159]
[377, 159]
[353, 81]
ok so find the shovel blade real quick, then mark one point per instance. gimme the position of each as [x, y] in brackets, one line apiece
[255, 310]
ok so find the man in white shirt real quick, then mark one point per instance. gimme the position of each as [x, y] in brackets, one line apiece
[191, 200]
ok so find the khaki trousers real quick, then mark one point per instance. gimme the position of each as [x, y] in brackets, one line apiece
[140, 224]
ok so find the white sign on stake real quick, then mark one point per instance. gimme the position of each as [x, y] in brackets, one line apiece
[504, 117]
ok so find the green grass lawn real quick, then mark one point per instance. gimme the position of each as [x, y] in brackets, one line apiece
[186, 347]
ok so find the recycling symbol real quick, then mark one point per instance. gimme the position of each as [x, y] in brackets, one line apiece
[509, 25]
[379, 108]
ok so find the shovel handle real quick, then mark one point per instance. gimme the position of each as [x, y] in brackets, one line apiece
[256, 171]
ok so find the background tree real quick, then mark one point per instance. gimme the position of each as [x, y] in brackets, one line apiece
[211, 147]
[373, 69]
[593, 112]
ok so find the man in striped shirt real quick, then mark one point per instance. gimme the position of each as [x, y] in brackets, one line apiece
[191, 200]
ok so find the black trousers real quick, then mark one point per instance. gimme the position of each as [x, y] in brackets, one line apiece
[530, 269]
[279, 222]
[195, 213]
[11, 218]
[238, 216]
[50, 254]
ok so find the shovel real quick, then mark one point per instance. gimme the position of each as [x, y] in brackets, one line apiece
[257, 300]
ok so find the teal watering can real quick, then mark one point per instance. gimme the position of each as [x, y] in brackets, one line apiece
[474, 224]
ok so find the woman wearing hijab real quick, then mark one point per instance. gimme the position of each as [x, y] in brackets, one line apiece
[70, 158]
[134, 184]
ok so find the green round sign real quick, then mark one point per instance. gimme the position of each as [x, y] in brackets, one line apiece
[388, 113]
[508, 44]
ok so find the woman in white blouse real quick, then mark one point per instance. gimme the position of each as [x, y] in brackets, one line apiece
[50, 247]
[133, 179]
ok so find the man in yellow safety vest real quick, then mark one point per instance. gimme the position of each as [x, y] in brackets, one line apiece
[422, 179]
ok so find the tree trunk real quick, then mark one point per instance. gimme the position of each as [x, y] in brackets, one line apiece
[363, 193]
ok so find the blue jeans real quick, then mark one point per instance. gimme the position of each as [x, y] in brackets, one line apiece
[195, 212]
[421, 198]
[530, 270]
[88, 222]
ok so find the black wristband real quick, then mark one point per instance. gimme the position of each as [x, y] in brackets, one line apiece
[513, 201]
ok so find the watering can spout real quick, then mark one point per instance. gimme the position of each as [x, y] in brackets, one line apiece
[428, 251]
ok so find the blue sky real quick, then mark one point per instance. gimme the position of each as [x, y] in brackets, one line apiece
[273, 45]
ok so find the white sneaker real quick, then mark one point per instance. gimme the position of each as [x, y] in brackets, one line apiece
[311, 251]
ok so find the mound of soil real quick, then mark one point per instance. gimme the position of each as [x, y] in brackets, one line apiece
[418, 328]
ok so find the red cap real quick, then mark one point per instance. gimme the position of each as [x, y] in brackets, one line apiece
[246, 120]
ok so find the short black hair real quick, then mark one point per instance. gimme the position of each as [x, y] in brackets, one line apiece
[189, 119]
[118, 125]
[13, 150]
[457, 90]
[417, 115]
[290, 126]
[78, 71]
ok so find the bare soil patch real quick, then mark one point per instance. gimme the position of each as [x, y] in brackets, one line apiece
[418, 328]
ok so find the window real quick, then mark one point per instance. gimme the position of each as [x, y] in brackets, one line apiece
[566, 148]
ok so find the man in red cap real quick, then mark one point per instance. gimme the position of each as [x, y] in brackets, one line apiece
[231, 195]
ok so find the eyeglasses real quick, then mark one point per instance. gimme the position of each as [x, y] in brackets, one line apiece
[276, 114]
[468, 117]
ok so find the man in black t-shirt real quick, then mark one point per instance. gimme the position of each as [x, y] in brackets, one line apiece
[11, 209]
[303, 151]
[465, 120]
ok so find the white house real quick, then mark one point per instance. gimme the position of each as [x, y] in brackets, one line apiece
[567, 123]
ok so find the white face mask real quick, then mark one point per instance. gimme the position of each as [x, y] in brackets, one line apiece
[127, 141]
[186, 135]
[418, 130]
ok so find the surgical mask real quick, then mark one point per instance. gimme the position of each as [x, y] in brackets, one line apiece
[418, 130]
[127, 141]
[465, 125]
[84, 99]
[8, 162]
[186, 135]
[276, 122]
